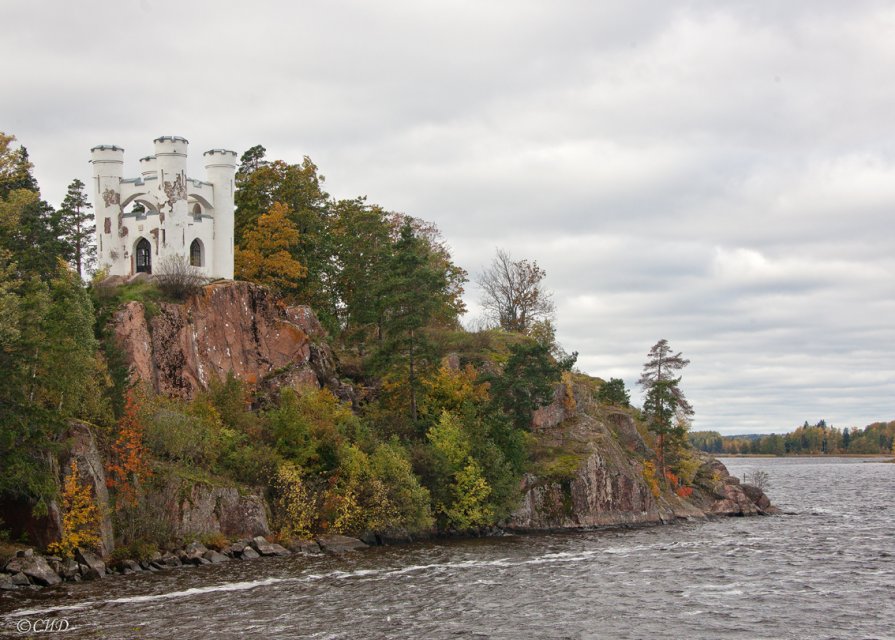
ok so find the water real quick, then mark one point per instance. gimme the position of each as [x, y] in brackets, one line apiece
[826, 570]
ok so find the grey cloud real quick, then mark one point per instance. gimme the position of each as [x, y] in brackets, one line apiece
[720, 174]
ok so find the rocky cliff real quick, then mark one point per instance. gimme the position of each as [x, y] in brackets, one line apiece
[592, 475]
[589, 467]
[228, 327]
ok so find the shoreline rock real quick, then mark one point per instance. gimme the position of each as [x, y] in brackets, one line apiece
[29, 569]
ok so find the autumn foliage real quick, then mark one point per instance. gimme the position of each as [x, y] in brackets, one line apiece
[129, 464]
[80, 517]
[264, 256]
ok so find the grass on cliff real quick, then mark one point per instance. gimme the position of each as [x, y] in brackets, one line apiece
[553, 461]
[108, 298]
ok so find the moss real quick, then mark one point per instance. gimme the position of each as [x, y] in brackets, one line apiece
[557, 463]
[191, 474]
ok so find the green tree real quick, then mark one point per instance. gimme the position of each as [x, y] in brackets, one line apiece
[665, 406]
[50, 373]
[527, 382]
[463, 496]
[614, 393]
[360, 237]
[77, 227]
[260, 184]
[15, 167]
[30, 229]
[414, 292]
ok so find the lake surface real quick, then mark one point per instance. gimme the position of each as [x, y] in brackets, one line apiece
[826, 570]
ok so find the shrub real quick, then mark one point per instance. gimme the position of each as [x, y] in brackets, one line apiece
[758, 478]
[295, 506]
[215, 540]
[649, 476]
[80, 517]
[177, 279]
[173, 434]
[136, 550]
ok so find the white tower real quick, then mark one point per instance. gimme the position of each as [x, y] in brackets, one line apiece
[171, 195]
[108, 168]
[220, 169]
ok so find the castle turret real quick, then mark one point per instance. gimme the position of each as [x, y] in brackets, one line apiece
[108, 169]
[220, 169]
[148, 167]
[171, 194]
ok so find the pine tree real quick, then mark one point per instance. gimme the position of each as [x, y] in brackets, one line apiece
[664, 405]
[77, 227]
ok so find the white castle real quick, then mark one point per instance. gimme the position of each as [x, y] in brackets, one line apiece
[180, 216]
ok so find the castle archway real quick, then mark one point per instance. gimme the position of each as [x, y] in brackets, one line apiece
[143, 256]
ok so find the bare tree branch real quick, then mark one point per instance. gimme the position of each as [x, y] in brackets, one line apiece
[514, 298]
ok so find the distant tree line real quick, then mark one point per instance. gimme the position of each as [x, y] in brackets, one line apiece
[819, 438]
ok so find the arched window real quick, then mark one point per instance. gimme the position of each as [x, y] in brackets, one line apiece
[197, 211]
[144, 256]
[196, 253]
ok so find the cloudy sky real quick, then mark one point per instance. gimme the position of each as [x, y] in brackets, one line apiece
[719, 174]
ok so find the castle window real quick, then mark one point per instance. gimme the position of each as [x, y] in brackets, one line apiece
[144, 256]
[196, 253]
[197, 211]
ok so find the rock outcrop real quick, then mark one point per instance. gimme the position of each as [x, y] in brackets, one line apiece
[195, 509]
[227, 327]
[593, 475]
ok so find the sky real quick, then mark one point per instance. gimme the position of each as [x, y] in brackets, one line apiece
[719, 174]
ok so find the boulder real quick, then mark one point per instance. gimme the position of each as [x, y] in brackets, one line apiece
[601, 485]
[96, 568]
[304, 546]
[214, 557]
[734, 503]
[69, 569]
[6, 582]
[757, 496]
[339, 544]
[131, 565]
[168, 560]
[35, 568]
[265, 548]
[234, 550]
[20, 580]
[248, 553]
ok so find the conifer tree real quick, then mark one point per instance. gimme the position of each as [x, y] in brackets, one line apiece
[413, 291]
[76, 221]
[664, 404]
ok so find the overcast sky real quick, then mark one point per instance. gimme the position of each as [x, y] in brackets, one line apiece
[719, 174]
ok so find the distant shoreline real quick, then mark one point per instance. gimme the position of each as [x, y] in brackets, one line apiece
[805, 455]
